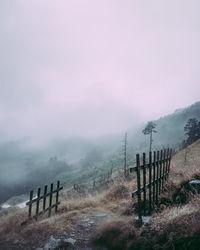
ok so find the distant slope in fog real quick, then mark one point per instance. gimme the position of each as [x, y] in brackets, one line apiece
[170, 130]
[21, 163]
[171, 127]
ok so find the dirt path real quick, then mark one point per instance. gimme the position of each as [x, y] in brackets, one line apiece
[77, 238]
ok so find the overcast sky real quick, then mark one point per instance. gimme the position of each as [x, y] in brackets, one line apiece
[92, 67]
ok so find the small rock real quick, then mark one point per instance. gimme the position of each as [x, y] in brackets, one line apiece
[195, 184]
[85, 220]
[145, 219]
[100, 215]
[70, 240]
[52, 243]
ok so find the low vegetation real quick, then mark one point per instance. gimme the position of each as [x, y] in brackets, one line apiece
[174, 225]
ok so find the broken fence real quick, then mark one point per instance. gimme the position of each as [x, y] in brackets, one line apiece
[47, 204]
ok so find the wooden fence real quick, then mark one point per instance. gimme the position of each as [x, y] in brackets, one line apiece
[43, 197]
[155, 172]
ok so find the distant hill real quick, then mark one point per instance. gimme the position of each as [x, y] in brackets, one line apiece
[80, 160]
[170, 130]
[171, 127]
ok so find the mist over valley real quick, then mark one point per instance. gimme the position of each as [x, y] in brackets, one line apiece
[25, 166]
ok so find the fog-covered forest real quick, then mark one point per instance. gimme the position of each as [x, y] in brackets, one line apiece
[25, 166]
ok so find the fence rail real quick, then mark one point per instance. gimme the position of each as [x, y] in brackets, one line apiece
[154, 173]
[43, 197]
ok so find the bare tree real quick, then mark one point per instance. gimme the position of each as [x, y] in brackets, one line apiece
[125, 155]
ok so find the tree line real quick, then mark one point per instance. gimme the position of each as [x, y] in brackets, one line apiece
[191, 129]
[192, 132]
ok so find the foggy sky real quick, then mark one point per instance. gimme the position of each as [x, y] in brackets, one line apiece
[92, 67]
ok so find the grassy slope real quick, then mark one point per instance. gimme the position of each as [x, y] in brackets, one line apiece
[167, 228]
[177, 223]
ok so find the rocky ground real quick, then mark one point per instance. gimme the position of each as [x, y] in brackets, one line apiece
[78, 237]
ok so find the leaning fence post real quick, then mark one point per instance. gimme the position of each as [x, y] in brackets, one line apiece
[157, 176]
[160, 177]
[30, 204]
[138, 186]
[150, 179]
[167, 163]
[163, 172]
[44, 199]
[170, 156]
[57, 195]
[38, 202]
[50, 199]
[166, 155]
[144, 181]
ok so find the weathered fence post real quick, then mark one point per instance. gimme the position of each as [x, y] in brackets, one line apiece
[157, 176]
[44, 200]
[150, 180]
[170, 156]
[163, 170]
[30, 205]
[57, 196]
[38, 202]
[160, 176]
[166, 157]
[154, 176]
[144, 181]
[138, 186]
[167, 164]
[50, 199]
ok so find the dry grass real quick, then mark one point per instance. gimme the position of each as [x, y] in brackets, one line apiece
[165, 231]
[174, 228]
[177, 226]
[115, 234]
[11, 221]
[172, 214]
[186, 164]
[69, 212]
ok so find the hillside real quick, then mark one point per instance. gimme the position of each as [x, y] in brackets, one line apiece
[110, 149]
[106, 220]
[78, 160]
[170, 130]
